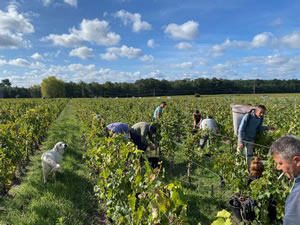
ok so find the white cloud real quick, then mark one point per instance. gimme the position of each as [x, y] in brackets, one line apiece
[65, 40]
[101, 75]
[285, 67]
[80, 67]
[37, 65]
[270, 60]
[184, 46]
[72, 72]
[12, 21]
[259, 67]
[195, 74]
[37, 56]
[19, 62]
[203, 62]
[98, 32]
[134, 19]
[9, 40]
[109, 56]
[147, 58]
[291, 67]
[291, 40]
[261, 40]
[225, 71]
[93, 31]
[186, 31]
[82, 52]
[71, 2]
[26, 80]
[184, 65]
[220, 67]
[125, 51]
[155, 74]
[58, 52]
[12, 28]
[151, 43]
[46, 2]
[217, 50]
[2, 62]
[275, 60]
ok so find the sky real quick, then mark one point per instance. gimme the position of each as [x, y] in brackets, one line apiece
[129, 40]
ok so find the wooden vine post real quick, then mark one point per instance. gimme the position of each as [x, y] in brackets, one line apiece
[189, 166]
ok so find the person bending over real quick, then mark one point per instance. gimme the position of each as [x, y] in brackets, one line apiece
[139, 133]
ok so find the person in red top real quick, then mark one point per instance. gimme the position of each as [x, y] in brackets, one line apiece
[197, 119]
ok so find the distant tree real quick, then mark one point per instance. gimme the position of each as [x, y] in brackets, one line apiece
[6, 83]
[72, 90]
[108, 89]
[84, 92]
[20, 92]
[35, 91]
[94, 89]
[3, 91]
[53, 88]
[13, 92]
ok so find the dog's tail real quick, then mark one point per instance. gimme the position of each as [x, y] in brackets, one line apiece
[56, 168]
[50, 161]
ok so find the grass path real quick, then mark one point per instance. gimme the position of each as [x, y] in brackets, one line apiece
[68, 201]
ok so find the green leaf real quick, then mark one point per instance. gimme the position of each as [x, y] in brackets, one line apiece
[132, 201]
[228, 221]
[219, 221]
[138, 179]
[139, 214]
[223, 214]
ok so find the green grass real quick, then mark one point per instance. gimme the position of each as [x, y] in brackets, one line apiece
[203, 205]
[69, 200]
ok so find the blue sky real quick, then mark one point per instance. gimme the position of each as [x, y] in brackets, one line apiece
[127, 40]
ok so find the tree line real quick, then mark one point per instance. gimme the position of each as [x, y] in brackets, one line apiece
[52, 87]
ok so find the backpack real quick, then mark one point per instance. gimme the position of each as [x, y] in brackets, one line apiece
[238, 111]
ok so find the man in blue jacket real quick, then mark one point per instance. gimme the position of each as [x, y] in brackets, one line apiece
[250, 124]
[286, 154]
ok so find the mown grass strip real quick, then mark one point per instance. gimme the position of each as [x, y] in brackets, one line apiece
[68, 201]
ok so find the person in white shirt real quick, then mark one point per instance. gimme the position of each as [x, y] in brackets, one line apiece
[208, 125]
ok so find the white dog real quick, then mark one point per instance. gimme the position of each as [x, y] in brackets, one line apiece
[51, 160]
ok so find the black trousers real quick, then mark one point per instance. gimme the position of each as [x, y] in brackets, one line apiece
[137, 140]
